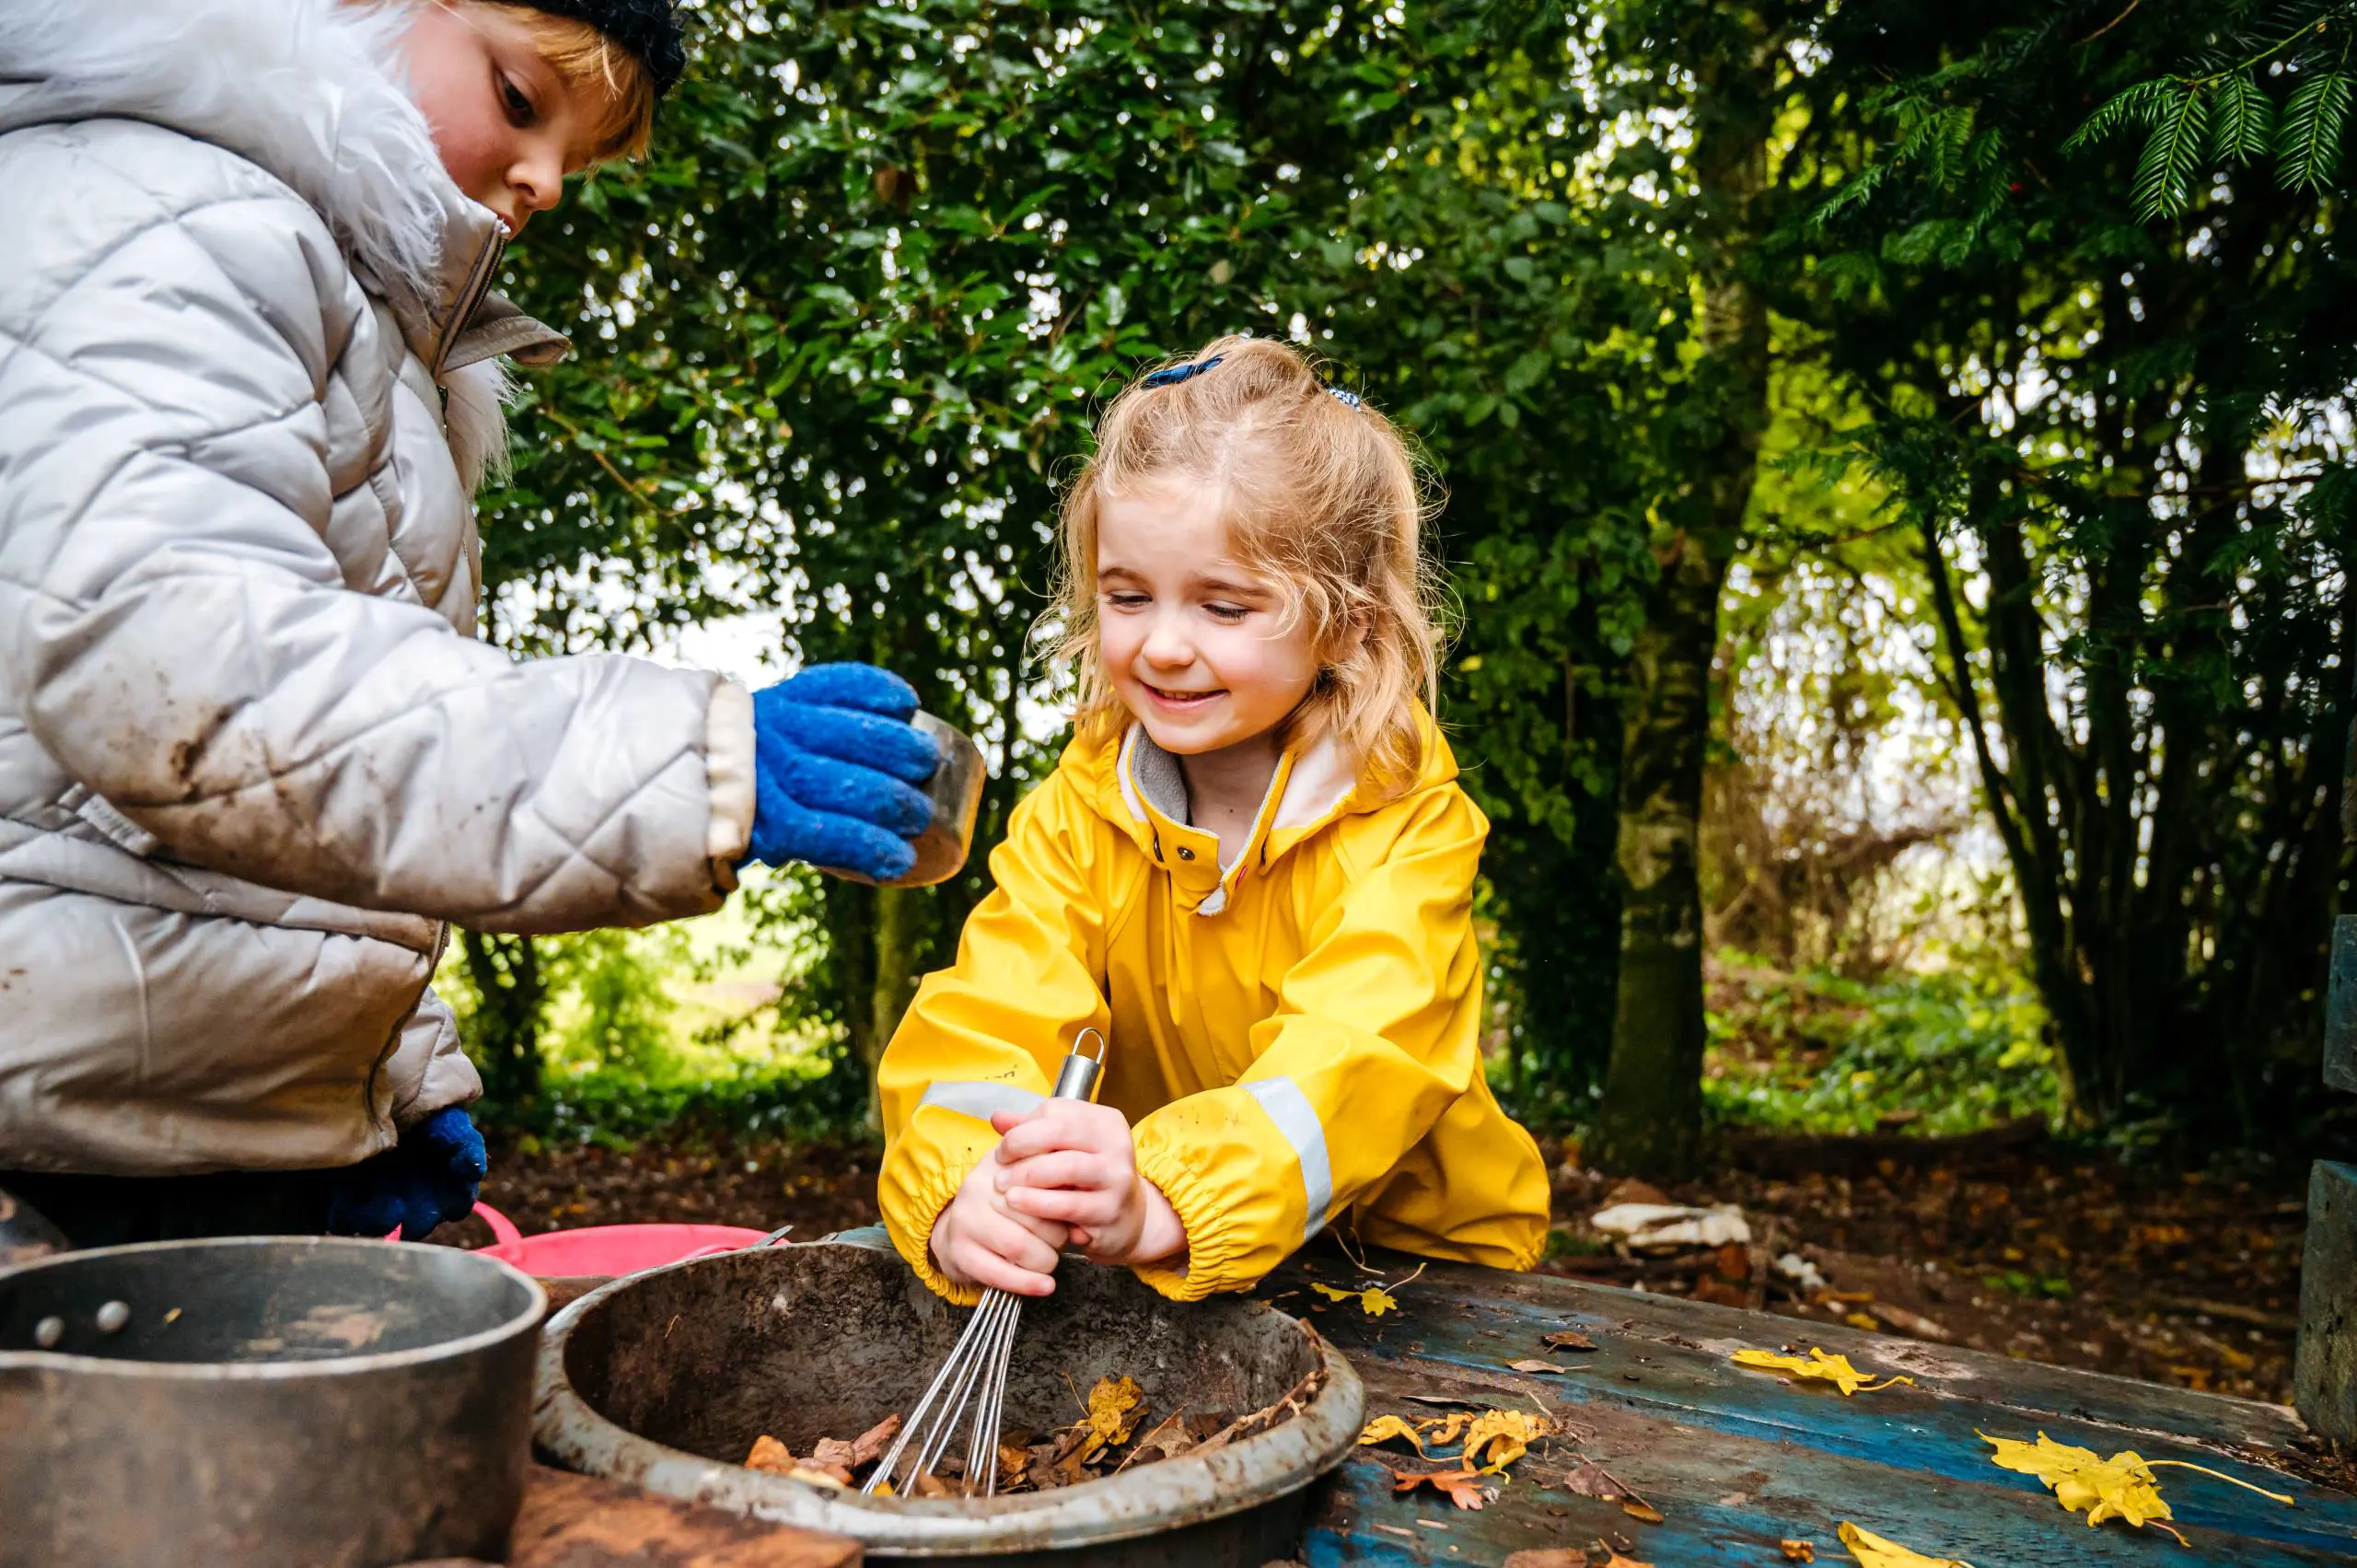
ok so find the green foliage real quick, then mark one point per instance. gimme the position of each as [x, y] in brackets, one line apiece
[2116, 446]
[2304, 45]
[1943, 1054]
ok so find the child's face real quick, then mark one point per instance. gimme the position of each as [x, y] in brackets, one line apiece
[508, 127]
[1198, 648]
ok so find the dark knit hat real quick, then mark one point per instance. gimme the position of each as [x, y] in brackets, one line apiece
[648, 29]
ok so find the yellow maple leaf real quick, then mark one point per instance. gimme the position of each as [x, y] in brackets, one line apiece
[2122, 1487]
[1873, 1551]
[1833, 1369]
[1446, 1428]
[1384, 1428]
[1114, 1406]
[1375, 1301]
[1497, 1438]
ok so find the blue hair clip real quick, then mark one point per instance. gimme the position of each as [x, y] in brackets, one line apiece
[1178, 372]
[1348, 400]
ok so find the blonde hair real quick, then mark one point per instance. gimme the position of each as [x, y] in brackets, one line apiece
[1321, 496]
[590, 63]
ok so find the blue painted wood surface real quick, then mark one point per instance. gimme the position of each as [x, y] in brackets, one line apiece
[1738, 1460]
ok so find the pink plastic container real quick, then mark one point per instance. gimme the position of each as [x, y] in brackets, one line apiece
[610, 1249]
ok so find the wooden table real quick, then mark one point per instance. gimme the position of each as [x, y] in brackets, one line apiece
[1737, 1461]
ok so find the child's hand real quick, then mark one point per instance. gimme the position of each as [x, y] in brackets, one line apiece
[980, 1240]
[1073, 1162]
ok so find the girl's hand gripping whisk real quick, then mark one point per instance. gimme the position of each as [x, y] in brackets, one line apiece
[973, 1380]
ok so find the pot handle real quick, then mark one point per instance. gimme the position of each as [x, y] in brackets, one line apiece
[503, 1229]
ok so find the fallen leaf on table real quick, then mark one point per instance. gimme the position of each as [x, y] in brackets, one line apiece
[1567, 1339]
[1596, 1555]
[1799, 1551]
[1375, 1301]
[1873, 1551]
[1588, 1478]
[771, 1454]
[1497, 1438]
[1446, 1428]
[1834, 1369]
[1384, 1428]
[1463, 1488]
[2122, 1487]
[1543, 1368]
[1644, 1511]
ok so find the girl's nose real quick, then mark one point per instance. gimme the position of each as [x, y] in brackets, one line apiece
[1167, 645]
[537, 181]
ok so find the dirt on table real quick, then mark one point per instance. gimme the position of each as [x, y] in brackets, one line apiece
[2002, 1242]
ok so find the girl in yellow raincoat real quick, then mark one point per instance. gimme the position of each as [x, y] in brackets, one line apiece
[1252, 872]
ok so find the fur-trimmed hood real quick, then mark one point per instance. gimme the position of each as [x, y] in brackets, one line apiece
[305, 89]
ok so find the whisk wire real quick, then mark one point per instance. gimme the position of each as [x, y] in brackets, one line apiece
[976, 1370]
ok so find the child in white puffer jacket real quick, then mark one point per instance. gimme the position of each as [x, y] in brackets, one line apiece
[252, 756]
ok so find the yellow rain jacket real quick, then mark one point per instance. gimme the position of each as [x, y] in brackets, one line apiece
[1291, 1036]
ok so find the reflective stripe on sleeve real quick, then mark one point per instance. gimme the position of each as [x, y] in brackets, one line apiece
[978, 1097]
[1298, 1119]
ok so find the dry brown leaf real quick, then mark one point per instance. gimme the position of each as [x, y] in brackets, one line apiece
[1541, 1368]
[1643, 1511]
[869, 1446]
[1588, 1478]
[832, 1453]
[930, 1486]
[1566, 1338]
[1463, 1488]
[1799, 1551]
[769, 1455]
[1549, 1557]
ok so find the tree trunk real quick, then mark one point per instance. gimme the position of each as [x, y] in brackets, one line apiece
[1650, 1117]
[899, 917]
[513, 997]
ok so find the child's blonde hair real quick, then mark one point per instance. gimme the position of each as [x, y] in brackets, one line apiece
[1321, 495]
[590, 62]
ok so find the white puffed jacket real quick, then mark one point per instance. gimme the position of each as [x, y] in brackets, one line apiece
[253, 755]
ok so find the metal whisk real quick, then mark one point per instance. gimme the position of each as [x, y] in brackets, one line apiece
[974, 1374]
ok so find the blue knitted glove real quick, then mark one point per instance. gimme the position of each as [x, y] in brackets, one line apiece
[431, 1175]
[835, 760]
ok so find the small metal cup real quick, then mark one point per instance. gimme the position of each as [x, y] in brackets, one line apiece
[956, 790]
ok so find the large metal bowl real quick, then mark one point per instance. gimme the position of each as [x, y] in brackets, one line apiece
[268, 1403]
[664, 1379]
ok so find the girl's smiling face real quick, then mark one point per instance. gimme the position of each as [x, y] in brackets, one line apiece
[1199, 647]
[507, 124]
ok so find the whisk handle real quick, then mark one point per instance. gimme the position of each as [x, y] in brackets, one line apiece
[1077, 1080]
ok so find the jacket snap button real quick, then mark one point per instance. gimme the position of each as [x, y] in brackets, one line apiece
[1186, 853]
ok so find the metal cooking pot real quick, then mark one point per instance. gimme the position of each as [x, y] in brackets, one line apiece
[266, 1401]
[956, 793]
[664, 1379]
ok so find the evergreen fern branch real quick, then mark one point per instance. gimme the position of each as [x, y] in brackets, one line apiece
[2307, 138]
[2139, 104]
[2165, 173]
[2245, 124]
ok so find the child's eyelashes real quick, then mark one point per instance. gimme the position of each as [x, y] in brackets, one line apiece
[1126, 601]
[1228, 614]
[513, 99]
